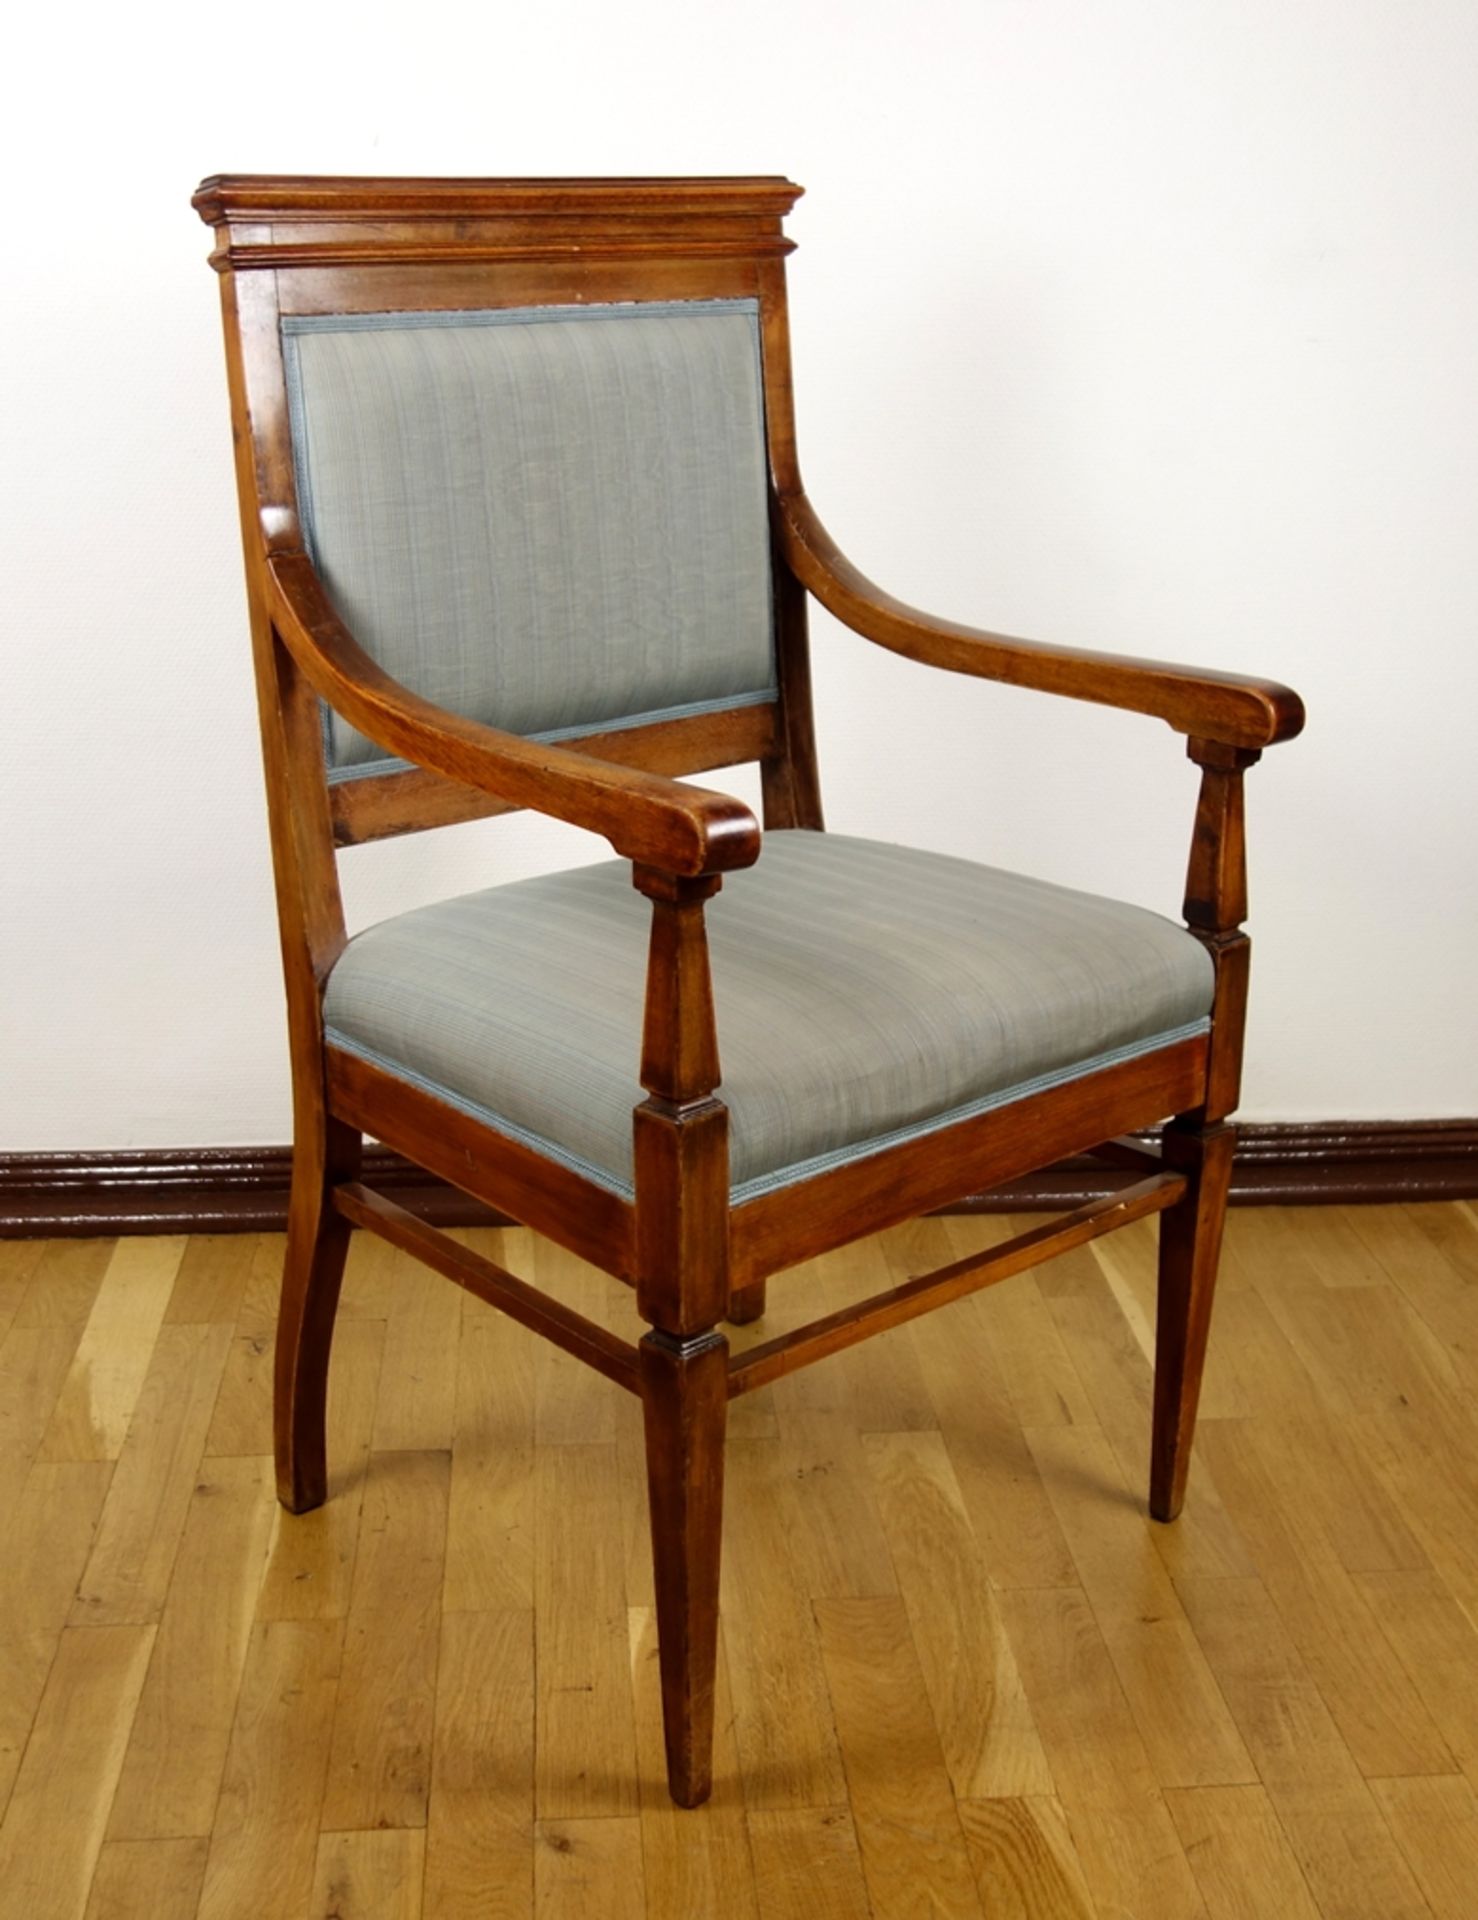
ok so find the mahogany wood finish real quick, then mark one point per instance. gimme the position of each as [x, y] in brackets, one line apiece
[1223, 707]
[775, 1358]
[595, 1345]
[775, 1230]
[597, 1225]
[684, 1384]
[372, 806]
[1198, 1142]
[288, 246]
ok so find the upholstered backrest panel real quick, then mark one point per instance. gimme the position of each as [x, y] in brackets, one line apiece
[544, 519]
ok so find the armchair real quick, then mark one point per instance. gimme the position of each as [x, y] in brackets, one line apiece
[524, 527]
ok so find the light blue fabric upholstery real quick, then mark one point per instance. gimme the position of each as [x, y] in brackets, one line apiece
[864, 991]
[543, 519]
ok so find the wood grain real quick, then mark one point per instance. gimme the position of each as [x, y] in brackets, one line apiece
[697, 1860]
[53, 1827]
[585, 1742]
[147, 1880]
[984, 1721]
[265, 1836]
[480, 1831]
[50, 1534]
[96, 1403]
[132, 1562]
[172, 1772]
[806, 1865]
[908, 1828]
[379, 1771]
[1026, 1867]
[991, 1543]
[369, 1876]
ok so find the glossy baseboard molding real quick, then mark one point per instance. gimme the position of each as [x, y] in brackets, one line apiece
[244, 1189]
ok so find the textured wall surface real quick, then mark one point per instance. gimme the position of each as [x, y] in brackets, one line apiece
[1149, 327]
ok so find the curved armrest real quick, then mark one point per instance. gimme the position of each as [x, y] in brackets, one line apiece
[647, 817]
[1214, 706]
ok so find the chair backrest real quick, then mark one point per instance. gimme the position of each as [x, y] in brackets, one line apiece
[543, 518]
[526, 430]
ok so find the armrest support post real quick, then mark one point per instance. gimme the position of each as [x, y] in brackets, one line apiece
[681, 1132]
[1216, 906]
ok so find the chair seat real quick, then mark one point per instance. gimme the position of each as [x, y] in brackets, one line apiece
[864, 993]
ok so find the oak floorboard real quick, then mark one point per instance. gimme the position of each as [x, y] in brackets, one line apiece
[1188, 1734]
[375, 1875]
[95, 1406]
[1009, 1511]
[63, 1283]
[148, 1880]
[914, 1857]
[50, 1534]
[837, 1542]
[806, 1865]
[491, 1518]
[880, 1383]
[585, 1746]
[783, 1715]
[1337, 1833]
[980, 1708]
[138, 1536]
[34, 1361]
[1435, 1268]
[480, 1830]
[19, 1259]
[212, 1279]
[697, 1861]
[1240, 1854]
[177, 1752]
[959, 1671]
[264, 1838]
[572, 1407]
[1026, 1866]
[1130, 1854]
[584, 1867]
[415, 1411]
[1378, 1711]
[379, 1772]
[53, 1828]
[1435, 1821]
[242, 1422]
[1041, 1381]
[1438, 1644]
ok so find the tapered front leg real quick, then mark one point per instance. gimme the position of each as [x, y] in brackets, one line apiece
[1190, 1250]
[685, 1399]
[317, 1244]
[681, 1151]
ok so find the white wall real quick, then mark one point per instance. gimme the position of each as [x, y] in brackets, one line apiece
[1148, 326]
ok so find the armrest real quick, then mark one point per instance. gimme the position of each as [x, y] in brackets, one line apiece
[647, 817]
[1215, 706]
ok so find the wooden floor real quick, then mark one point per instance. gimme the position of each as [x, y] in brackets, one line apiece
[961, 1673]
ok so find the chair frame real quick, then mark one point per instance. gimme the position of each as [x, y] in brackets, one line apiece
[343, 245]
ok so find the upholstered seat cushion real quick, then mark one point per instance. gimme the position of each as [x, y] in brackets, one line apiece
[864, 992]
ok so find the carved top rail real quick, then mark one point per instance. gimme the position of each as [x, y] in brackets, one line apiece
[283, 220]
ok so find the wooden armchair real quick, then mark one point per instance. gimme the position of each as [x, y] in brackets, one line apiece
[524, 527]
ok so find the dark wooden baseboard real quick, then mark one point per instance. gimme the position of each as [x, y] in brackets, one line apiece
[244, 1189]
